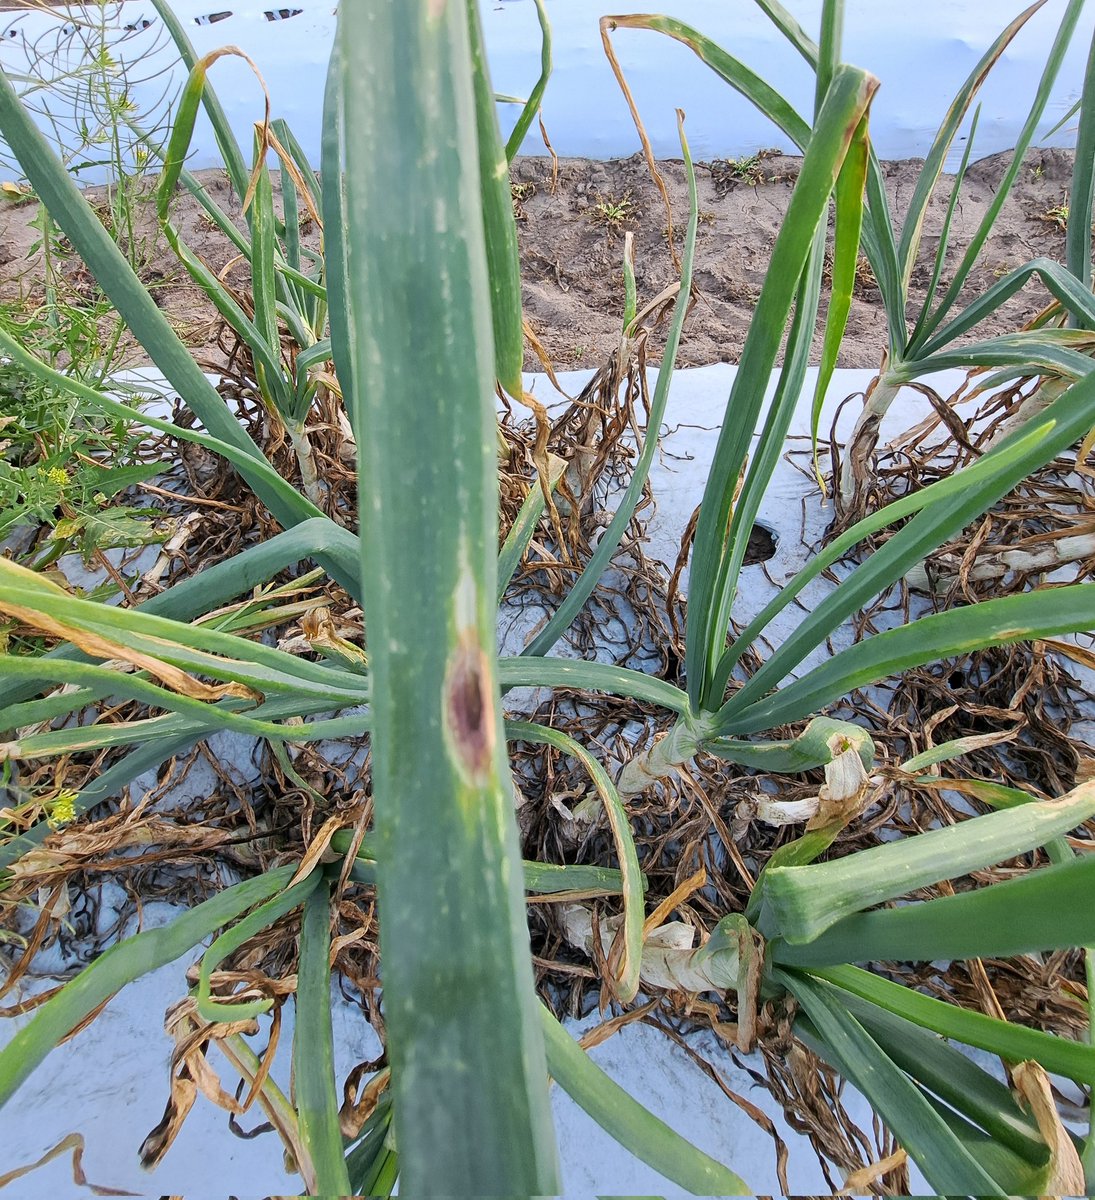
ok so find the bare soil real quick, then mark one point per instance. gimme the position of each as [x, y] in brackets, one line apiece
[571, 251]
[572, 220]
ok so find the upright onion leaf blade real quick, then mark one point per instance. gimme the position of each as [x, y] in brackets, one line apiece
[1016, 1043]
[936, 157]
[469, 1075]
[966, 494]
[947, 1163]
[499, 223]
[961, 273]
[1001, 622]
[532, 104]
[316, 1089]
[850, 189]
[712, 560]
[1082, 190]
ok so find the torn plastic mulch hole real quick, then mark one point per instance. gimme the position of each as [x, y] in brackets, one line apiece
[763, 541]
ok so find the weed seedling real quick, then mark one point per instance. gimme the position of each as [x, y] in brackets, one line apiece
[1057, 216]
[519, 193]
[746, 170]
[613, 213]
[61, 464]
[16, 193]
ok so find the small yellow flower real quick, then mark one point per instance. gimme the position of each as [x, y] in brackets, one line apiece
[63, 808]
[57, 476]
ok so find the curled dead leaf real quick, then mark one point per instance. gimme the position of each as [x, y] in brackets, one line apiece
[56, 900]
[1065, 1173]
[678, 896]
[1085, 768]
[859, 1182]
[670, 959]
[773, 811]
[319, 848]
[74, 1145]
[356, 1110]
[86, 847]
[576, 821]
[1078, 654]
[190, 1074]
[841, 798]
[322, 635]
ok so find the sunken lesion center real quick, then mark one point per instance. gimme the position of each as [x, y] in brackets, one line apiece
[469, 709]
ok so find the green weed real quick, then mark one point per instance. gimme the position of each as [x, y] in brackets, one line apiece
[613, 213]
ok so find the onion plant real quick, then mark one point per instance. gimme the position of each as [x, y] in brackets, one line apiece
[423, 316]
[930, 337]
[283, 321]
[287, 287]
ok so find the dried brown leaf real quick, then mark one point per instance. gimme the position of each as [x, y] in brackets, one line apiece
[1065, 1171]
[96, 646]
[860, 1181]
[676, 898]
[323, 635]
[607, 1029]
[1077, 653]
[355, 1110]
[73, 1144]
[319, 847]
[842, 796]
[184, 1091]
[191, 1074]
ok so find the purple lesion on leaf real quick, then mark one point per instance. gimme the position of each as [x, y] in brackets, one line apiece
[469, 709]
